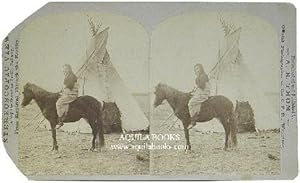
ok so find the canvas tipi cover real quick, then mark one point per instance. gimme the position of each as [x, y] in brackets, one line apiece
[233, 79]
[100, 79]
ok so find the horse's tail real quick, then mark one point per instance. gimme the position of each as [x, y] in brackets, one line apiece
[100, 131]
[233, 128]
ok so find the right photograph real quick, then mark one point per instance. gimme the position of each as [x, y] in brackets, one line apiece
[214, 80]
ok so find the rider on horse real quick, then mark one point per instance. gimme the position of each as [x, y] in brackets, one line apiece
[68, 94]
[200, 93]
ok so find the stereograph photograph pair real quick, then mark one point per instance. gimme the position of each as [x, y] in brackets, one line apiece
[152, 91]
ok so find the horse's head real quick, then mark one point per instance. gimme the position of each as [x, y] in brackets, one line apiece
[27, 94]
[160, 95]
[112, 116]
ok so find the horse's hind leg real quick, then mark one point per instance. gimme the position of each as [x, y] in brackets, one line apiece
[227, 132]
[226, 139]
[96, 133]
[100, 133]
[94, 139]
[233, 130]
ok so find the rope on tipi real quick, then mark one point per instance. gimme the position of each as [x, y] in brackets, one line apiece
[229, 29]
[103, 74]
[102, 63]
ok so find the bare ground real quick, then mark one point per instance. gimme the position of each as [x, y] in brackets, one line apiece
[73, 157]
[256, 154]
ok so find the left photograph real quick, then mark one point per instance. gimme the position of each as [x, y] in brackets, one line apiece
[75, 93]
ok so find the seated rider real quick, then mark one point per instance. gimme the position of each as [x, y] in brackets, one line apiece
[200, 93]
[67, 95]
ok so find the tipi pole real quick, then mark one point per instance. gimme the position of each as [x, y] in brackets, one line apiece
[218, 70]
[83, 84]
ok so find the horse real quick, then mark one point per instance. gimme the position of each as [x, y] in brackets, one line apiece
[218, 107]
[85, 107]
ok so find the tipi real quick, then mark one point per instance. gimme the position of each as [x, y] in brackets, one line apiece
[229, 67]
[232, 78]
[100, 79]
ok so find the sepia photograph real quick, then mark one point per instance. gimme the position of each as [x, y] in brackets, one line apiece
[75, 104]
[215, 77]
[152, 91]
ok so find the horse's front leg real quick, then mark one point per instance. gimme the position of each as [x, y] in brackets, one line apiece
[185, 119]
[53, 131]
[187, 136]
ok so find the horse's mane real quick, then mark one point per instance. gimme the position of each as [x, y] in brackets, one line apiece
[173, 91]
[39, 91]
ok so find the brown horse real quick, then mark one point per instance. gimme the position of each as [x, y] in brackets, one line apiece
[85, 107]
[218, 107]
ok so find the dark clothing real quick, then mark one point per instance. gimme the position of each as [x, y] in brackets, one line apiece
[70, 81]
[202, 80]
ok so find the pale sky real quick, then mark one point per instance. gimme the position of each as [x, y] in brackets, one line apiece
[180, 42]
[50, 42]
[177, 43]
